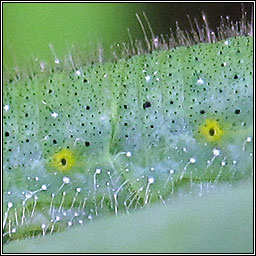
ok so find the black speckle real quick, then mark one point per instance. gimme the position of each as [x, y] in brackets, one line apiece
[237, 111]
[147, 104]
[202, 112]
[211, 132]
[88, 108]
[125, 106]
[87, 143]
[54, 141]
[7, 134]
[63, 161]
[235, 76]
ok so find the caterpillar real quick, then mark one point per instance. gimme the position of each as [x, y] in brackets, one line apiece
[112, 137]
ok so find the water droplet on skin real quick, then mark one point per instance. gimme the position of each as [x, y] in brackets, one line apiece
[223, 163]
[44, 187]
[151, 180]
[28, 194]
[78, 72]
[216, 152]
[6, 107]
[249, 139]
[66, 180]
[98, 171]
[200, 81]
[171, 171]
[54, 115]
[192, 160]
[128, 154]
[147, 78]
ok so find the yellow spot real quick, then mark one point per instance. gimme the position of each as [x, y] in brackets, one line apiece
[63, 160]
[211, 130]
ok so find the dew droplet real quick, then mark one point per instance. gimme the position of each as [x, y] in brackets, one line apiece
[54, 115]
[128, 154]
[98, 171]
[192, 160]
[151, 180]
[200, 81]
[66, 180]
[6, 107]
[216, 152]
[44, 187]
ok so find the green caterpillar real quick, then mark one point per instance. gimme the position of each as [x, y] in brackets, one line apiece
[109, 138]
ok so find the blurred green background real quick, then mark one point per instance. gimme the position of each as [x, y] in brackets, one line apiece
[28, 28]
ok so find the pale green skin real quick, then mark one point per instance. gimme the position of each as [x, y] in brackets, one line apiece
[163, 150]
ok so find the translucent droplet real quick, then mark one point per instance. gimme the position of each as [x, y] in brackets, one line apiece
[28, 194]
[200, 81]
[192, 160]
[223, 163]
[78, 72]
[54, 115]
[249, 139]
[171, 171]
[151, 180]
[98, 171]
[44, 187]
[128, 154]
[6, 107]
[147, 78]
[226, 42]
[216, 152]
[66, 180]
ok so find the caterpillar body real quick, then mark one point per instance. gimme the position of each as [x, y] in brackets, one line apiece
[116, 136]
